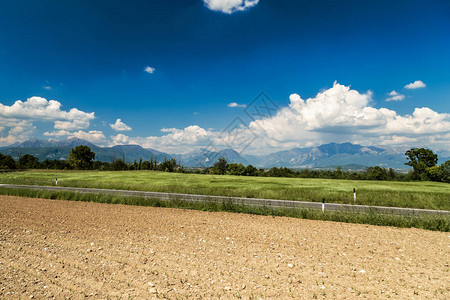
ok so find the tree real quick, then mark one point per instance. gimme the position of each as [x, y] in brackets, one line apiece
[146, 165]
[7, 162]
[440, 173]
[221, 166]
[81, 157]
[391, 174]
[28, 161]
[338, 173]
[168, 165]
[119, 165]
[251, 171]
[376, 173]
[236, 169]
[445, 177]
[420, 159]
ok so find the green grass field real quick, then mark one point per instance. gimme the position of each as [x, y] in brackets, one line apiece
[428, 222]
[429, 195]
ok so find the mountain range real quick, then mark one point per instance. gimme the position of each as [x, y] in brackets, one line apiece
[347, 155]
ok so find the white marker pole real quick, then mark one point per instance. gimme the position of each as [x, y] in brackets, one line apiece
[354, 195]
[323, 204]
[56, 181]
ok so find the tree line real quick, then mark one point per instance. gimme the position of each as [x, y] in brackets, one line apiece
[83, 158]
[423, 163]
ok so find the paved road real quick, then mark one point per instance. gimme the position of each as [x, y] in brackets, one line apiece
[238, 200]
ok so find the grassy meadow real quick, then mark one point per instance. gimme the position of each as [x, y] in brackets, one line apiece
[428, 222]
[427, 195]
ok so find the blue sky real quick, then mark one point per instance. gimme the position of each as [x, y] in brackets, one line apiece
[91, 56]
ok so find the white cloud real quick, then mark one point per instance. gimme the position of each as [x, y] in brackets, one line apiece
[20, 131]
[72, 125]
[395, 96]
[120, 126]
[174, 140]
[230, 6]
[338, 114]
[120, 139]
[415, 85]
[47, 87]
[20, 116]
[149, 70]
[39, 109]
[93, 136]
[234, 104]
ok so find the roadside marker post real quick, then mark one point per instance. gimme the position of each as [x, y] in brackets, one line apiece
[354, 195]
[56, 181]
[323, 204]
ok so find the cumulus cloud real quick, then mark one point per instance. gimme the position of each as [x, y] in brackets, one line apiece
[120, 139]
[234, 104]
[418, 84]
[149, 70]
[338, 114]
[72, 125]
[38, 108]
[20, 131]
[394, 96]
[230, 6]
[93, 136]
[341, 114]
[120, 126]
[19, 118]
[174, 140]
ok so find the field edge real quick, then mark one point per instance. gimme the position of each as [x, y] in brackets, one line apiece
[427, 222]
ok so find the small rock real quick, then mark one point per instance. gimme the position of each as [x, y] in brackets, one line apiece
[362, 271]
[152, 291]
[227, 288]
[151, 284]
[324, 275]
[290, 265]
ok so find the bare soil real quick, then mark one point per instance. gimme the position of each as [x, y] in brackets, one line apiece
[62, 249]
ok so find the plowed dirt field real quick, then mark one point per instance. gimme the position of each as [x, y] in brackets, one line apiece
[62, 249]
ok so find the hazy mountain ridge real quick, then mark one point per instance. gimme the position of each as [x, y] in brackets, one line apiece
[332, 155]
[206, 158]
[323, 156]
[60, 150]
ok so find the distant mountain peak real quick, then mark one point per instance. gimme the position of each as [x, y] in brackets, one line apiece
[36, 143]
[332, 154]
